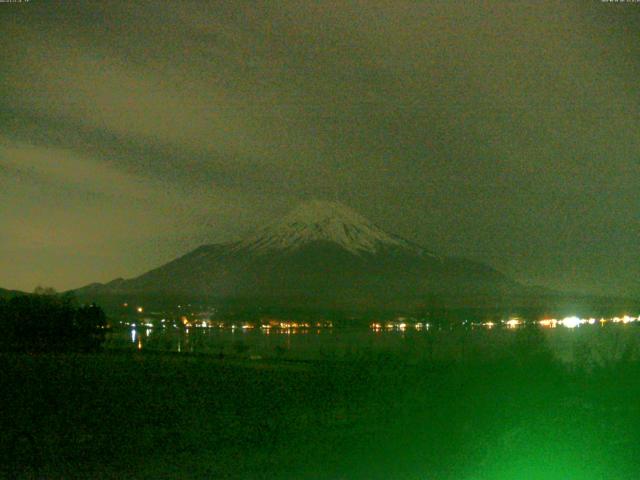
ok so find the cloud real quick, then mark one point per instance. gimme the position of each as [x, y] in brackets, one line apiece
[59, 207]
[485, 129]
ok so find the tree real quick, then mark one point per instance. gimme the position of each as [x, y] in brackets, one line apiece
[90, 324]
[46, 321]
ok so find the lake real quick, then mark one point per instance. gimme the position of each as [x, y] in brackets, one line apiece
[594, 343]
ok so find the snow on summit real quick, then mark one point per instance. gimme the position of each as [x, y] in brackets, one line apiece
[323, 221]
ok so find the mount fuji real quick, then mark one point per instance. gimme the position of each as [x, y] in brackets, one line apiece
[320, 255]
[317, 221]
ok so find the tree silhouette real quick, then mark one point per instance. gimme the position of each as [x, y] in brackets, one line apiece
[47, 321]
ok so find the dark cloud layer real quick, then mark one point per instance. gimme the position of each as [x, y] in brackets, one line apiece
[504, 131]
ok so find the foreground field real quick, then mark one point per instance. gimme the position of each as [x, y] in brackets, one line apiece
[136, 415]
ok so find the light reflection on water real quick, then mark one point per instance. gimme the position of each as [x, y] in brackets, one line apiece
[599, 343]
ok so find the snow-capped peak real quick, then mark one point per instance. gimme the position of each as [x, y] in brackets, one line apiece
[323, 221]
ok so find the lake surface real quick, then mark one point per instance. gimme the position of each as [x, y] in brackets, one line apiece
[592, 343]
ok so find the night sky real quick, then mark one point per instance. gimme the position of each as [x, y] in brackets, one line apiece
[134, 131]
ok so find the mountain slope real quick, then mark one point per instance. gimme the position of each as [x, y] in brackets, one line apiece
[317, 221]
[320, 254]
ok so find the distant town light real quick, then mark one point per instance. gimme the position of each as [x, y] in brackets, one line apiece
[548, 322]
[571, 322]
[513, 322]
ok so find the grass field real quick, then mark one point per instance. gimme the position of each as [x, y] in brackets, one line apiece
[152, 415]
